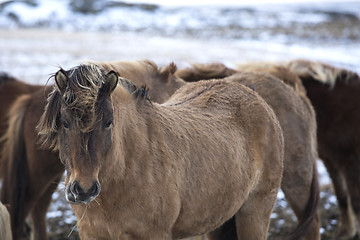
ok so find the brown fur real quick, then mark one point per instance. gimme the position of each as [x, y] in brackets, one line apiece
[204, 72]
[278, 71]
[170, 171]
[161, 81]
[14, 173]
[41, 168]
[297, 119]
[5, 230]
[334, 94]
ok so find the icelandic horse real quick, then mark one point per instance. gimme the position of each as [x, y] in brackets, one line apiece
[19, 192]
[334, 93]
[142, 170]
[31, 174]
[284, 92]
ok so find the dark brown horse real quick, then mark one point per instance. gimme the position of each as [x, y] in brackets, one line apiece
[22, 192]
[284, 92]
[168, 171]
[31, 174]
[334, 93]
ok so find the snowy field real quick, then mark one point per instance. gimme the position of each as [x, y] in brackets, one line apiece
[38, 37]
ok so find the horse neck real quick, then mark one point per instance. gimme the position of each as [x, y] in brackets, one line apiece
[129, 136]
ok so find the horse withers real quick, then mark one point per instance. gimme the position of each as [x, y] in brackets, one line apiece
[140, 170]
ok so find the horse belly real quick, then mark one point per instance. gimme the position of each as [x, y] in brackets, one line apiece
[203, 213]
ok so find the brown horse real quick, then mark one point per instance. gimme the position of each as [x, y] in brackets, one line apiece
[5, 230]
[297, 119]
[16, 190]
[168, 171]
[31, 174]
[334, 94]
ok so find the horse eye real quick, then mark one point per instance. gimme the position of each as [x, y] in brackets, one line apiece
[108, 123]
[65, 124]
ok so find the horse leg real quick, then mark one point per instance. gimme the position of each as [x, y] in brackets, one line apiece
[346, 227]
[38, 213]
[351, 173]
[226, 231]
[253, 218]
[301, 190]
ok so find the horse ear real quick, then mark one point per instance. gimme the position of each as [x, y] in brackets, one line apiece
[61, 80]
[168, 71]
[111, 81]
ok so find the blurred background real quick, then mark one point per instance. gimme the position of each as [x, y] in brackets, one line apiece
[39, 36]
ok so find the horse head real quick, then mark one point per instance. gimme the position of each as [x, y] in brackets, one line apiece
[79, 115]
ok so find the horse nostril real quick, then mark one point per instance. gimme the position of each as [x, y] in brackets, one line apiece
[76, 189]
[95, 189]
[78, 194]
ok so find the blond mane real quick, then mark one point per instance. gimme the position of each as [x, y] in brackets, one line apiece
[319, 71]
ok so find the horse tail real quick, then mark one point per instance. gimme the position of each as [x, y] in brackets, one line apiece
[14, 165]
[310, 214]
[204, 72]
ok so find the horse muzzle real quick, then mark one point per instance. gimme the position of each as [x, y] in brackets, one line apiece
[75, 194]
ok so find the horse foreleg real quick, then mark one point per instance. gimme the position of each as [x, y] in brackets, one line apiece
[38, 213]
[346, 227]
[351, 174]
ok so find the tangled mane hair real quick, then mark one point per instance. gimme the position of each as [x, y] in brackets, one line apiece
[321, 72]
[82, 96]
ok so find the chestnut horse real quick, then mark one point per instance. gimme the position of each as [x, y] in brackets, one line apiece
[297, 119]
[334, 94]
[148, 171]
[18, 191]
[31, 174]
[5, 230]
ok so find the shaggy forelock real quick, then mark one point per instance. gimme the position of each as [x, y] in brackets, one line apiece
[80, 96]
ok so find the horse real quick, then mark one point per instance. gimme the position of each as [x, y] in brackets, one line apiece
[31, 174]
[142, 170]
[334, 94]
[5, 230]
[284, 92]
[14, 175]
